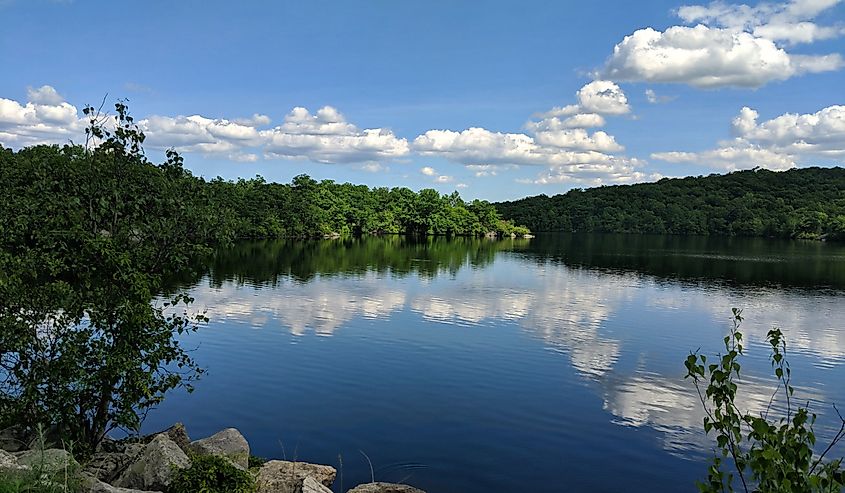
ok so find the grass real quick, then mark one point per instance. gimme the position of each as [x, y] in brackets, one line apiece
[42, 476]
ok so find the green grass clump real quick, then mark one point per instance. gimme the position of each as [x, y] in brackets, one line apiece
[39, 480]
[211, 474]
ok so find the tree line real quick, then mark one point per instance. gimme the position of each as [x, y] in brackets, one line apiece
[806, 203]
[305, 207]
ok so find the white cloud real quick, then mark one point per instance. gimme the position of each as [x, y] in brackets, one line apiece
[788, 22]
[198, 134]
[45, 119]
[707, 57]
[730, 156]
[779, 143]
[435, 175]
[373, 167]
[327, 137]
[615, 171]
[44, 95]
[322, 137]
[603, 96]
[653, 98]
[256, 120]
[484, 169]
[727, 45]
[558, 140]
[461, 185]
[244, 157]
[821, 133]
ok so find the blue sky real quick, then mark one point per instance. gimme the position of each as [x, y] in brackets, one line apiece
[498, 100]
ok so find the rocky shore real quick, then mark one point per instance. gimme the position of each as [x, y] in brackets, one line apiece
[150, 463]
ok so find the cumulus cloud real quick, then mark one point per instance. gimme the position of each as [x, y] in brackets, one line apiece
[44, 119]
[558, 139]
[327, 137]
[198, 134]
[708, 57]
[603, 96]
[780, 143]
[485, 169]
[324, 137]
[729, 45]
[435, 176]
[44, 95]
[653, 98]
[789, 22]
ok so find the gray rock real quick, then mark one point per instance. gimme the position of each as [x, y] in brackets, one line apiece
[154, 468]
[107, 466]
[48, 461]
[228, 443]
[13, 439]
[9, 462]
[178, 434]
[384, 488]
[281, 476]
[311, 485]
[93, 485]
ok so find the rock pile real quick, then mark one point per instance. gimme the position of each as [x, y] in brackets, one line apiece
[148, 465]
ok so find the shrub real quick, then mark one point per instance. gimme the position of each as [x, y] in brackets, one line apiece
[256, 462]
[212, 474]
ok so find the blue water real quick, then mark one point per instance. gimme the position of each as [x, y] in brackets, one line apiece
[545, 365]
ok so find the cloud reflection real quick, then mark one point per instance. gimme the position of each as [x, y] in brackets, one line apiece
[574, 312]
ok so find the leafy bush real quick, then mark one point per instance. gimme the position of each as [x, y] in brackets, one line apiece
[769, 454]
[212, 474]
[256, 462]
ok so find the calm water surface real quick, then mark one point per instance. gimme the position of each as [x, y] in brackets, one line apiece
[544, 365]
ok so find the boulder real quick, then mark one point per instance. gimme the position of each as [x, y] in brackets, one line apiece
[8, 462]
[228, 443]
[178, 434]
[48, 461]
[384, 488]
[154, 468]
[281, 476]
[107, 466]
[14, 439]
[93, 485]
[311, 485]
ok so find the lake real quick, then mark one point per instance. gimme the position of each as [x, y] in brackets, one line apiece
[468, 365]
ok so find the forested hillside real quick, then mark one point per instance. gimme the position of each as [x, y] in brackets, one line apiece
[60, 178]
[799, 203]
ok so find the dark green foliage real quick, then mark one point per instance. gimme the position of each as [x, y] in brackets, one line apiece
[800, 203]
[307, 208]
[769, 454]
[256, 462]
[212, 474]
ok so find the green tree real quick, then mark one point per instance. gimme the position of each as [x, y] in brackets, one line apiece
[89, 237]
[768, 453]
